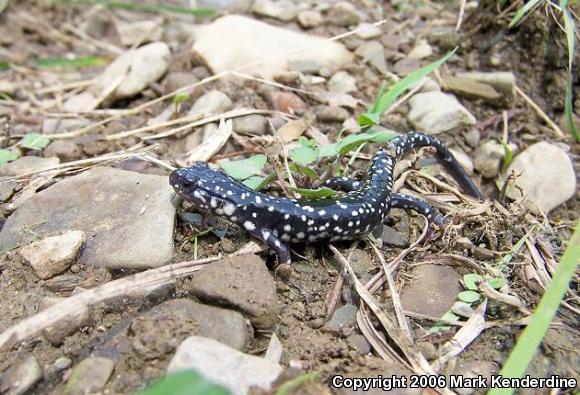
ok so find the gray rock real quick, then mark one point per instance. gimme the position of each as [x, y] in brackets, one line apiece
[309, 18]
[237, 35]
[224, 365]
[471, 89]
[211, 103]
[62, 363]
[344, 13]
[59, 331]
[432, 291]
[304, 66]
[393, 238]
[342, 82]
[64, 150]
[232, 6]
[84, 101]
[53, 255]
[242, 283]
[420, 51]
[437, 112]
[473, 370]
[488, 158]
[139, 32]
[367, 31]
[253, 124]
[283, 10]
[361, 343]
[7, 189]
[19, 378]
[343, 316]
[462, 309]
[331, 114]
[287, 102]
[59, 125]
[472, 137]
[27, 164]
[405, 66]
[178, 79]
[128, 217]
[502, 81]
[89, 376]
[373, 53]
[141, 67]
[546, 176]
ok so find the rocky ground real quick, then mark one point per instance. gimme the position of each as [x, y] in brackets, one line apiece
[108, 281]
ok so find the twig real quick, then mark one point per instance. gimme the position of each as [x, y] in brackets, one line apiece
[541, 113]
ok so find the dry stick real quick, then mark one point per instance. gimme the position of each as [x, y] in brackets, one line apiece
[276, 84]
[541, 113]
[136, 282]
[414, 356]
[64, 87]
[460, 16]
[212, 78]
[188, 118]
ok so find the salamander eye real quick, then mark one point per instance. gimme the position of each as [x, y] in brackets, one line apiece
[183, 177]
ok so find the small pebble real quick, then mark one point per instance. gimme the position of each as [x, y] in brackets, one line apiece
[331, 114]
[62, 363]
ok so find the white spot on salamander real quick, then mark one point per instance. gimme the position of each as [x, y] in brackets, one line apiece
[249, 225]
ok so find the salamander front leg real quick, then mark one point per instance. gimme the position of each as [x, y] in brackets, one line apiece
[343, 184]
[422, 207]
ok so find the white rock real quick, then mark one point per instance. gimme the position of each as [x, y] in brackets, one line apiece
[283, 10]
[21, 376]
[139, 68]
[309, 18]
[488, 158]
[367, 31]
[502, 81]
[421, 50]
[342, 82]
[234, 41]
[211, 103]
[373, 52]
[546, 176]
[27, 164]
[224, 365]
[436, 112]
[344, 13]
[139, 32]
[53, 255]
[84, 101]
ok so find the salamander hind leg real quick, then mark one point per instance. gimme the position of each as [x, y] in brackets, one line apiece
[343, 184]
[422, 207]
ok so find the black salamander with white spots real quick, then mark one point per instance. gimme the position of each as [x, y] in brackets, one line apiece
[278, 221]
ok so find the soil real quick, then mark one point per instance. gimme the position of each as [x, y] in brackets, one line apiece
[534, 52]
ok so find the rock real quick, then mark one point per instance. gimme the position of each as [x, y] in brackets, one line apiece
[283, 10]
[128, 217]
[64, 150]
[59, 331]
[488, 158]
[60, 125]
[139, 32]
[473, 370]
[393, 238]
[53, 255]
[223, 365]
[287, 102]
[367, 31]
[429, 85]
[242, 283]
[62, 363]
[343, 13]
[432, 291]
[304, 66]
[545, 176]
[361, 343]
[20, 377]
[84, 101]
[343, 316]
[463, 159]
[405, 66]
[140, 67]
[462, 309]
[351, 125]
[211, 103]
[472, 137]
[7, 189]
[253, 124]
[342, 82]
[309, 18]
[373, 52]
[231, 6]
[437, 112]
[178, 79]
[470, 88]
[501, 81]
[27, 164]
[331, 114]
[89, 376]
[421, 51]
[237, 36]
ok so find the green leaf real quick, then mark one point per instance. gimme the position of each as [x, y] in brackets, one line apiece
[242, 169]
[307, 171]
[306, 142]
[187, 382]
[531, 337]
[34, 141]
[3, 5]
[570, 39]
[508, 157]
[442, 326]
[329, 150]
[181, 97]
[304, 155]
[289, 385]
[353, 141]
[153, 8]
[368, 118]
[320, 193]
[7, 156]
[86, 61]
[253, 182]
[468, 296]
[4, 66]
[522, 12]
[470, 280]
[496, 283]
[384, 100]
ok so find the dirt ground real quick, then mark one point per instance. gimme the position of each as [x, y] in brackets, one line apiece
[535, 53]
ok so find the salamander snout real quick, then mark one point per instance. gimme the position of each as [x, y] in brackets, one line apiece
[183, 178]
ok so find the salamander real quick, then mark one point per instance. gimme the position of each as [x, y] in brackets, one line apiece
[278, 221]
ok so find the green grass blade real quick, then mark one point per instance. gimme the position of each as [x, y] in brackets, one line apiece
[184, 383]
[153, 8]
[387, 98]
[85, 61]
[570, 39]
[532, 336]
[3, 5]
[522, 12]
